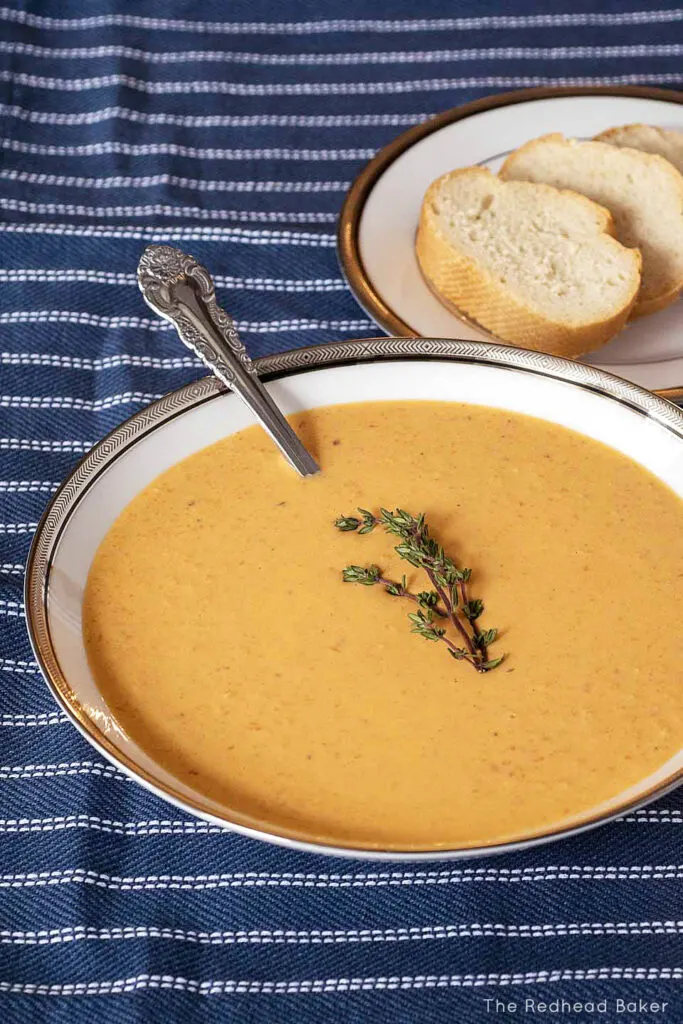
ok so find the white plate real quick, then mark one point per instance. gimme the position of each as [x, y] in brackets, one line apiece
[639, 424]
[648, 352]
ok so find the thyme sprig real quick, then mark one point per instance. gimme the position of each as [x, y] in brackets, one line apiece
[369, 575]
[449, 597]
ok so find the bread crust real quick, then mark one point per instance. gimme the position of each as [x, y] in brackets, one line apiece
[466, 286]
[612, 133]
[644, 305]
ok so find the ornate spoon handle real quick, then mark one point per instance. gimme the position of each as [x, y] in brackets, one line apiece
[181, 291]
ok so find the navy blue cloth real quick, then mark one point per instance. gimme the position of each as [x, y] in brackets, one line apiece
[234, 131]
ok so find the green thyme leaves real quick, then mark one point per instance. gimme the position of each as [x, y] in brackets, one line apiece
[448, 599]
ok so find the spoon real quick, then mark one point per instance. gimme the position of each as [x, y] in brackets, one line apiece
[181, 291]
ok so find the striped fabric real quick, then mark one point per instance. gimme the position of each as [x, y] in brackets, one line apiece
[234, 131]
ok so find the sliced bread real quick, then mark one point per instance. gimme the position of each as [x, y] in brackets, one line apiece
[643, 192]
[536, 266]
[648, 139]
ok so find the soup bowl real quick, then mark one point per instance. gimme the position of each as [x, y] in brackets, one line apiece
[598, 405]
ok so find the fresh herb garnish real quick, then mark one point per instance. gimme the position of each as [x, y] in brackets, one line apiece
[449, 599]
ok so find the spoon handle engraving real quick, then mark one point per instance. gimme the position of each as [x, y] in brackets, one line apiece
[181, 290]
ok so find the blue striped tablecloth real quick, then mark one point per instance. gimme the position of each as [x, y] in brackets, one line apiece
[233, 130]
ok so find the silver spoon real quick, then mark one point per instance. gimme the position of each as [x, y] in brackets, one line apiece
[181, 291]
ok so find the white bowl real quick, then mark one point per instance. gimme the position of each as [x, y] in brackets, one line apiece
[635, 422]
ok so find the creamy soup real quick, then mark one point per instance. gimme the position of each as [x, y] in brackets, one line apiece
[228, 647]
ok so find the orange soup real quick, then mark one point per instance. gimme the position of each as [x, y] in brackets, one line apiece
[224, 640]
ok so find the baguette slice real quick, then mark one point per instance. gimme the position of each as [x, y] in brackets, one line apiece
[648, 139]
[535, 266]
[643, 192]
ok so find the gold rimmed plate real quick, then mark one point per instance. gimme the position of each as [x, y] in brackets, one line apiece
[632, 421]
[380, 215]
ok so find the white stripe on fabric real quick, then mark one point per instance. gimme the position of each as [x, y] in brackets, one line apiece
[80, 933]
[13, 609]
[33, 316]
[175, 149]
[196, 184]
[654, 811]
[158, 826]
[50, 275]
[96, 364]
[66, 768]
[495, 21]
[13, 529]
[166, 210]
[223, 88]
[347, 59]
[215, 987]
[211, 120]
[11, 569]
[241, 236]
[94, 823]
[658, 818]
[325, 936]
[253, 879]
[24, 668]
[20, 721]
[27, 487]
[25, 444]
[114, 323]
[254, 284]
[80, 404]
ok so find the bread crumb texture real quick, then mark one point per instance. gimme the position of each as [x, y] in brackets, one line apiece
[643, 192]
[535, 265]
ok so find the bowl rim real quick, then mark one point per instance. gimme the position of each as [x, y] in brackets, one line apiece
[59, 511]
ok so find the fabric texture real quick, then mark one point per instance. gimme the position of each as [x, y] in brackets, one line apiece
[233, 130]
